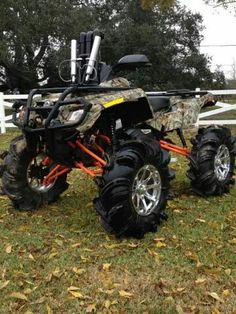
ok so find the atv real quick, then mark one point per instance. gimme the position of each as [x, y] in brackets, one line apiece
[117, 135]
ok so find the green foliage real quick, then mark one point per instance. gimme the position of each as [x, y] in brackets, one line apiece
[35, 36]
[30, 31]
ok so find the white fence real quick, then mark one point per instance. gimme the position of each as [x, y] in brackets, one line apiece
[6, 102]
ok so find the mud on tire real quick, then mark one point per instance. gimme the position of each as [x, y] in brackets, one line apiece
[16, 183]
[133, 190]
[212, 161]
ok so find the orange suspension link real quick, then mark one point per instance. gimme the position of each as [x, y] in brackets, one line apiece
[55, 173]
[90, 153]
[176, 149]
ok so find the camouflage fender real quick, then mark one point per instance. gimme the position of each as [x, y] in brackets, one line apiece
[184, 114]
[99, 100]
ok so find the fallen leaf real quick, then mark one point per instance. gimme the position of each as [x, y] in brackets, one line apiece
[91, 308]
[228, 272]
[159, 239]
[76, 245]
[106, 266]
[133, 245]
[49, 310]
[226, 292]
[4, 284]
[233, 241]
[160, 245]
[201, 220]
[111, 291]
[200, 281]
[40, 300]
[27, 291]
[125, 294]
[215, 296]
[76, 294]
[52, 255]
[31, 257]
[179, 309]
[18, 295]
[56, 273]
[8, 248]
[59, 242]
[79, 271]
[72, 288]
[107, 304]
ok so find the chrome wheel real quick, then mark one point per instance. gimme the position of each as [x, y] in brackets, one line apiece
[146, 190]
[36, 172]
[222, 163]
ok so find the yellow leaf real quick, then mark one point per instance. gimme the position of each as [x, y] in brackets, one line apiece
[40, 300]
[226, 292]
[31, 257]
[79, 271]
[133, 245]
[76, 294]
[180, 290]
[200, 281]
[160, 245]
[91, 308]
[107, 304]
[76, 245]
[28, 312]
[179, 309]
[215, 311]
[4, 284]
[159, 239]
[18, 295]
[228, 272]
[59, 242]
[200, 220]
[125, 294]
[56, 273]
[72, 288]
[215, 296]
[233, 241]
[111, 291]
[8, 248]
[106, 266]
[49, 310]
[53, 255]
[27, 291]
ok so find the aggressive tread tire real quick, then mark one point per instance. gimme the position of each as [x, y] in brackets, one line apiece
[15, 183]
[202, 171]
[114, 203]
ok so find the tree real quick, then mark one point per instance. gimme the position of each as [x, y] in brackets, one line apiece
[31, 31]
[223, 3]
[33, 45]
[170, 38]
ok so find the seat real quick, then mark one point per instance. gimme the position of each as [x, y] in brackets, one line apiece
[159, 103]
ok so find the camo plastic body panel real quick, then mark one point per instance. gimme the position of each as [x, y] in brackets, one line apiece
[98, 100]
[184, 113]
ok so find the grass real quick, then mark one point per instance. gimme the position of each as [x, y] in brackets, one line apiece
[60, 260]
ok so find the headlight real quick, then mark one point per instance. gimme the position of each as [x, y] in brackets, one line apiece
[70, 114]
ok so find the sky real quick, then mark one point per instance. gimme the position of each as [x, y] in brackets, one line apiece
[220, 27]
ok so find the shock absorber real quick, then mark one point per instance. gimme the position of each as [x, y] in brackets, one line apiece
[113, 133]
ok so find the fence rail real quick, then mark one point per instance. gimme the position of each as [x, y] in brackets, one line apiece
[5, 102]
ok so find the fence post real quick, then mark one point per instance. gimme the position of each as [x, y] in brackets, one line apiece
[2, 114]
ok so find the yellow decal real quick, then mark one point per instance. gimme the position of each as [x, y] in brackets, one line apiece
[113, 102]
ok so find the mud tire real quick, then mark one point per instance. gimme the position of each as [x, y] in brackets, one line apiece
[205, 180]
[115, 204]
[15, 183]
